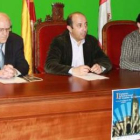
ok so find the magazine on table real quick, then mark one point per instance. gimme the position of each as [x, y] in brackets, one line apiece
[31, 78]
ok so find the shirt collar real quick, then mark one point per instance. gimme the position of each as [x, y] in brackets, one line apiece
[75, 42]
[3, 47]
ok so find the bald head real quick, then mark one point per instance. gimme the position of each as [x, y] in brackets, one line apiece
[70, 18]
[5, 25]
[5, 17]
[77, 26]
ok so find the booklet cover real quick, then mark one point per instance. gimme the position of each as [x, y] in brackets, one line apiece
[125, 114]
[31, 78]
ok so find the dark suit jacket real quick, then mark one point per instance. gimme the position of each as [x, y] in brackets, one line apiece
[14, 53]
[59, 57]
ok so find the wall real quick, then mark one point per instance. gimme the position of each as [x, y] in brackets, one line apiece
[121, 9]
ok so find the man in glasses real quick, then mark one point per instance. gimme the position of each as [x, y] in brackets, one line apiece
[12, 60]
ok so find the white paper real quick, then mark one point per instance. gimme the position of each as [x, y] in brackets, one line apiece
[13, 80]
[24, 79]
[92, 76]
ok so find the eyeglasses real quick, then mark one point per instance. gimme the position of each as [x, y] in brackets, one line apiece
[5, 29]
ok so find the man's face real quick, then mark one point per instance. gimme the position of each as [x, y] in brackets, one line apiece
[79, 30]
[138, 24]
[4, 29]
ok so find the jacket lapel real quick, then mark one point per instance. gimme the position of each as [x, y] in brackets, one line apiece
[8, 51]
[86, 52]
[68, 46]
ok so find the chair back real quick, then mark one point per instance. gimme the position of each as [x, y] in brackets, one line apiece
[113, 34]
[45, 33]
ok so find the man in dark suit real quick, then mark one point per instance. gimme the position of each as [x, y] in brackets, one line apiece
[75, 52]
[12, 61]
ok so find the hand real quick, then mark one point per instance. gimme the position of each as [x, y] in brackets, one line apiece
[8, 71]
[81, 70]
[96, 68]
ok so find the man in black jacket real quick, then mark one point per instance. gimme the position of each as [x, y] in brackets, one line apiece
[13, 62]
[75, 52]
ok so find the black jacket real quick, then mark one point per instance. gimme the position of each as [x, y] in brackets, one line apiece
[14, 53]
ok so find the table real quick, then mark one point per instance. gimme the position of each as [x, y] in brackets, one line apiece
[61, 107]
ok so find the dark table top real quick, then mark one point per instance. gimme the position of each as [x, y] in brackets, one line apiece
[56, 86]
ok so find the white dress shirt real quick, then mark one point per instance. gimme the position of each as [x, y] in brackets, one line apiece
[77, 53]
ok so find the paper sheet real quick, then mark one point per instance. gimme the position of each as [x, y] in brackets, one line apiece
[24, 79]
[92, 76]
[13, 80]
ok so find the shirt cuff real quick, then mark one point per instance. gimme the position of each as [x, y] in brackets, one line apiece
[103, 68]
[17, 73]
[70, 71]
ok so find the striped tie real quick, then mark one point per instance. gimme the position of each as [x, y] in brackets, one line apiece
[1, 56]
